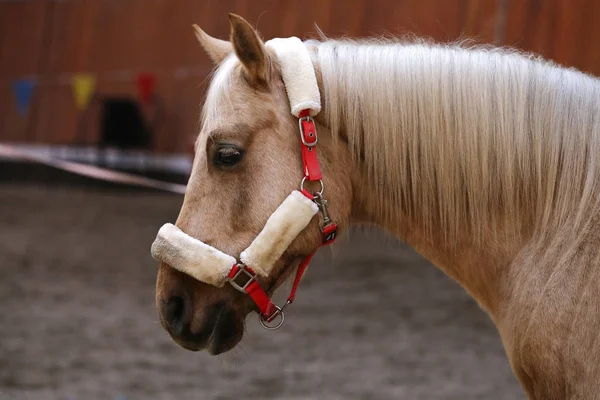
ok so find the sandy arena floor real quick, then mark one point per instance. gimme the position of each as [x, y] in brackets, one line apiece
[77, 317]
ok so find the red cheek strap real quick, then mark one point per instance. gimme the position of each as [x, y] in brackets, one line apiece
[308, 142]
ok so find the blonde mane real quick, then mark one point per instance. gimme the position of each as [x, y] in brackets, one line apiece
[459, 137]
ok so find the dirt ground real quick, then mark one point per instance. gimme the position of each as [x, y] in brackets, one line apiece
[77, 317]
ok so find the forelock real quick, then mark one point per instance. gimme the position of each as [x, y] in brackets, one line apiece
[218, 96]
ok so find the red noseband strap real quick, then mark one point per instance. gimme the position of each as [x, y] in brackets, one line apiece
[243, 278]
[253, 288]
[268, 310]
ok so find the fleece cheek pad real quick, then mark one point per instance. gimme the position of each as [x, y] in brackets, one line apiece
[282, 227]
[298, 75]
[209, 265]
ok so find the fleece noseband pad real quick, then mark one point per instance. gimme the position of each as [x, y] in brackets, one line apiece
[210, 265]
[191, 256]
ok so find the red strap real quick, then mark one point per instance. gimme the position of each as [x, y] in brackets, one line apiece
[233, 271]
[301, 269]
[307, 194]
[260, 297]
[253, 289]
[329, 233]
[312, 170]
[256, 292]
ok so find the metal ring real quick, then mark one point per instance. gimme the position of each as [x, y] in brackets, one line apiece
[320, 192]
[263, 321]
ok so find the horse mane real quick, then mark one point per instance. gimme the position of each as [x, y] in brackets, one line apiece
[459, 137]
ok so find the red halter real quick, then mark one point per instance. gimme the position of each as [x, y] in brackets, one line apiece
[312, 173]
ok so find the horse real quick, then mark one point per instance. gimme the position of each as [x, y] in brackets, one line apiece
[485, 160]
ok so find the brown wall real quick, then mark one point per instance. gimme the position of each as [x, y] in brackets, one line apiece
[116, 39]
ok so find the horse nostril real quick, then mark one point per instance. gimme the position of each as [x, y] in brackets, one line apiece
[175, 314]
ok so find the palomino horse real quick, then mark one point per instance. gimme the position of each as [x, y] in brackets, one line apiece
[486, 161]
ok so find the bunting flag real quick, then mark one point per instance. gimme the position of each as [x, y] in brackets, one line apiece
[23, 92]
[83, 88]
[146, 83]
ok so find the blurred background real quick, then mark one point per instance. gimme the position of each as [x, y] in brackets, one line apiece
[119, 84]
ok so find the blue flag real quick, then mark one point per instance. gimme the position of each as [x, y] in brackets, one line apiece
[23, 92]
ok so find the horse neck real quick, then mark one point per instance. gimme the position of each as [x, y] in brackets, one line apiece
[478, 265]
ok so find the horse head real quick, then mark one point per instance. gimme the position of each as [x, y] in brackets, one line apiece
[247, 161]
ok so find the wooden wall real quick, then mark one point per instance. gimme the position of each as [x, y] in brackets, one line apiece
[116, 39]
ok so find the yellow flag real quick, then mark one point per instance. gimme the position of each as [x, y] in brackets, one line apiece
[83, 88]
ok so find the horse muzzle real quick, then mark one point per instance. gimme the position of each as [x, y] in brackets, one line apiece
[197, 315]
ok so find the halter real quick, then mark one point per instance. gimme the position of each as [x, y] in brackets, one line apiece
[210, 265]
[312, 173]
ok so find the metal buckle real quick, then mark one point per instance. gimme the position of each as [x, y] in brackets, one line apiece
[304, 142]
[242, 270]
[278, 312]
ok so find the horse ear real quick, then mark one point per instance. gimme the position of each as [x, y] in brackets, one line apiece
[216, 49]
[249, 48]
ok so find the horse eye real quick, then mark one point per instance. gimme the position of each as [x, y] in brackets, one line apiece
[227, 156]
